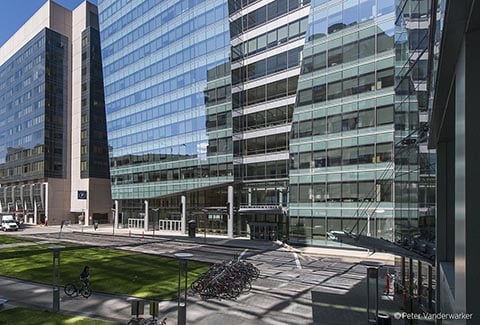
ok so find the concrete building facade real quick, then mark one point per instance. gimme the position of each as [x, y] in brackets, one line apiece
[53, 147]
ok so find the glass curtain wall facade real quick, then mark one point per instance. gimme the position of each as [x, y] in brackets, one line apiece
[94, 147]
[290, 101]
[267, 42]
[168, 102]
[33, 114]
[33, 79]
[415, 163]
[341, 144]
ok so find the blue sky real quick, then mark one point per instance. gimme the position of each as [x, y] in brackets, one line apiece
[14, 13]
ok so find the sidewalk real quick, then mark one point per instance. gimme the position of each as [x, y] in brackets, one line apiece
[238, 242]
[325, 290]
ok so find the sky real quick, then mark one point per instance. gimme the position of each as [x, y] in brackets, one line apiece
[14, 13]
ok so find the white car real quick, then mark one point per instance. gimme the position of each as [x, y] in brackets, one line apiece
[9, 225]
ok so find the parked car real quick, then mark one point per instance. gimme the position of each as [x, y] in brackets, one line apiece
[9, 223]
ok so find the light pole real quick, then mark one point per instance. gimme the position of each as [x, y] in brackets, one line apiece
[369, 215]
[56, 276]
[182, 299]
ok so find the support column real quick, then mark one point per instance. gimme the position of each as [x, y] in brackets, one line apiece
[35, 212]
[230, 212]
[115, 216]
[183, 209]
[467, 178]
[46, 199]
[145, 221]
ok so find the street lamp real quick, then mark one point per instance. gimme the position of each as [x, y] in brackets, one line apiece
[182, 299]
[369, 215]
[56, 276]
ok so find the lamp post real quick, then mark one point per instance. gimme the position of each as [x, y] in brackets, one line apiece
[369, 215]
[56, 276]
[182, 299]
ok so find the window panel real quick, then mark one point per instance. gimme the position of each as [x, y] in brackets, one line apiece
[365, 154]
[334, 157]
[349, 156]
[366, 118]
[366, 47]
[384, 115]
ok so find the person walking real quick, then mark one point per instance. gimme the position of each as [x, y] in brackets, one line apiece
[46, 221]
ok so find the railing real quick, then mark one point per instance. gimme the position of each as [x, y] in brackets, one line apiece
[136, 223]
[170, 225]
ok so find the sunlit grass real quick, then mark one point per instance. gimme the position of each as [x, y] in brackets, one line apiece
[111, 271]
[5, 239]
[27, 316]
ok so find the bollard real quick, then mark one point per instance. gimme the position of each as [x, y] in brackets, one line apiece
[129, 233]
[383, 319]
[142, 234]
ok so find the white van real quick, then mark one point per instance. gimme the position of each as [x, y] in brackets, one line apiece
[8, 223]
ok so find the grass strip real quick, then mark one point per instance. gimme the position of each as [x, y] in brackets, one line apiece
[111, 271]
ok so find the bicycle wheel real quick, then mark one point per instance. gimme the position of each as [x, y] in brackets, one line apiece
[86, 292]
[71, 290]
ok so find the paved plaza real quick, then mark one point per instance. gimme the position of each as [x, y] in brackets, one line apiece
[309, 286]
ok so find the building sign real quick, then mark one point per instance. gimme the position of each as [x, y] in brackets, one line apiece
[82, 195]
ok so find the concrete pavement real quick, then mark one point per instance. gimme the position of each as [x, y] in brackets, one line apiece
[320, 289]
[238, 242]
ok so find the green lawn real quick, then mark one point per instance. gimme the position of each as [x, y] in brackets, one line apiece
[27, 316]
[4, 239]
[112, 271]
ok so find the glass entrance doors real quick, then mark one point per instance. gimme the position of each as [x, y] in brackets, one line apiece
[263, 231]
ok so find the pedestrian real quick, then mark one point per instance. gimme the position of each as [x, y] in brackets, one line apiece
[46, 221]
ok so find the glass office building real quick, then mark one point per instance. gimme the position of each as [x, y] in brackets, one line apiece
[290, 104]
[168, 103]
[267, 42]
[342, 134]
[51, 95]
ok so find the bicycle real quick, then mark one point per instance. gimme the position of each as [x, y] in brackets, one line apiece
[147, 321]
[71, 290]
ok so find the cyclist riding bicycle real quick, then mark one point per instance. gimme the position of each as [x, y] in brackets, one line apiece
[85, 276]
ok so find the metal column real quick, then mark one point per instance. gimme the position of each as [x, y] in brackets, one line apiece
[115, 220]
[372, 273]
[230, 212]
[145, 222]
[182, 297]
[183, 208]
[56, 277]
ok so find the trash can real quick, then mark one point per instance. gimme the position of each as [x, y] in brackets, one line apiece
[192, 228]
[384, 319]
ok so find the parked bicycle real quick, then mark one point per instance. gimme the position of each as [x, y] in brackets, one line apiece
[226, 280]
[73, 290]
[147, 321]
